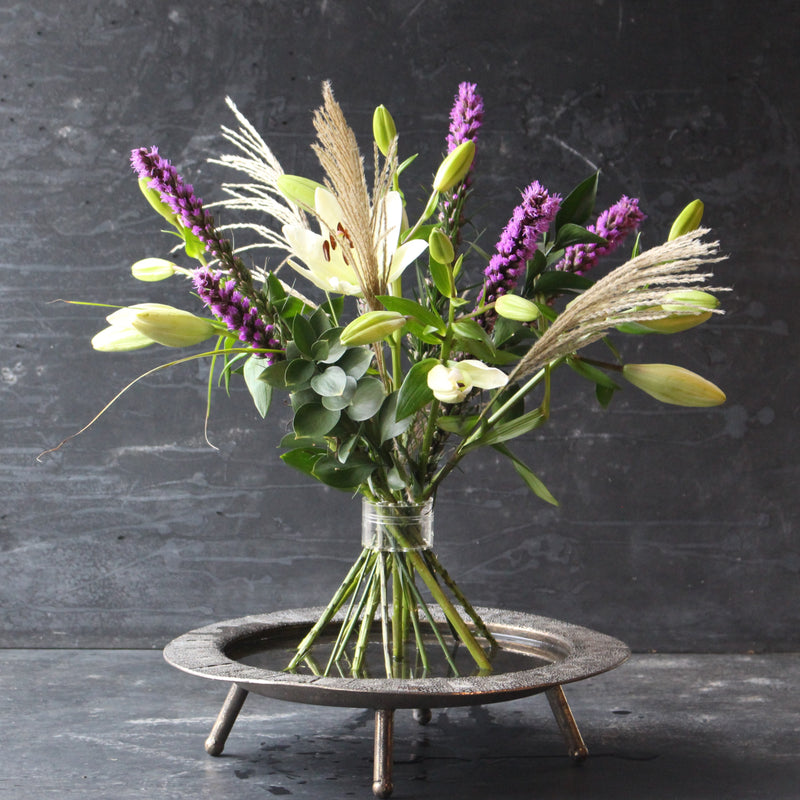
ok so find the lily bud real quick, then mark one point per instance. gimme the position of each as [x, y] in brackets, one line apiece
[455, 167]
[152, 269]
[383, 129]
[512, 306]
[371, 327]
[674, 385]
[172, 327]
[120, 339]
[680, 320]
[440, 247]
[687, 221]
[299, 190]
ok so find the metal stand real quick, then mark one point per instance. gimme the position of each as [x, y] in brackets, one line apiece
[382, 785]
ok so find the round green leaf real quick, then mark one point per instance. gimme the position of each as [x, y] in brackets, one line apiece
[330, 383]
[367, 399]
[314, 420]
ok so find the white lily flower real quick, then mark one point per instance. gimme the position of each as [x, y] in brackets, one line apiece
[452, 382]
[330, 257]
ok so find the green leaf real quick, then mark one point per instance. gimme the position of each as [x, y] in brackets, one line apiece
[410, 308]
[292, 442]
[571, 233]
[415, 392]
[469, 329]
[604, 395]
[303, 335]
[355, 361]
[303, 460]
[320, 322]
[341, 401]
[457, 424]
[274, 289]
[260, 391]
[503, 431]
[314, 420]
[579, 203]
[348, 476]
[346, 448]
[592, 373]
[525, 472]
[328, 349]
[275, 374]
[388, 424]
[330, 383]
[299, 372]
[557, 281]
[367, 399]
[442, 277]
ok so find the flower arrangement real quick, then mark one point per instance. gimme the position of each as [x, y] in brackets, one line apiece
[406, 360]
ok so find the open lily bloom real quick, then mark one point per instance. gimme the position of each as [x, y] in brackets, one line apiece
[452, 382]
[331, 257]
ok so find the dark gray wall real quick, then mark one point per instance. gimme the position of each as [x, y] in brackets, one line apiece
[677, 526]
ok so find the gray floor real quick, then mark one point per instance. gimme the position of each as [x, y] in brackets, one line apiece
[122, 724]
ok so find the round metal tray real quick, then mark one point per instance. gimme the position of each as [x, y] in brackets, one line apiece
[561, 652]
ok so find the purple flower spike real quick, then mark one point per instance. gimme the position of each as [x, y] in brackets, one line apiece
[614, 224]
[234, 309]
[466, 118]
[518, 243]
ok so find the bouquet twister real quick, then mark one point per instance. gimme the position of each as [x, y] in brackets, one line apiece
[403, 347]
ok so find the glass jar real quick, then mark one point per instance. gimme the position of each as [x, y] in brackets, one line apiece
[396, 527]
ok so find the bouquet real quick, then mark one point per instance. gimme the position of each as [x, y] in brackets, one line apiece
[402, 346]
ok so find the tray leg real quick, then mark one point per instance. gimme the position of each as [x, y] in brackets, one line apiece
[566, 722]
[215, 743]
[422, 715]
[382, 765]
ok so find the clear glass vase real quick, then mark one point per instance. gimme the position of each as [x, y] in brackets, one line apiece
[396, 527]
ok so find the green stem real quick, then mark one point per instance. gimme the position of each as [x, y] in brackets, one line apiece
[342, 593]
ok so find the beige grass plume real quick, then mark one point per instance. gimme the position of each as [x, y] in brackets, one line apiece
[633, 292]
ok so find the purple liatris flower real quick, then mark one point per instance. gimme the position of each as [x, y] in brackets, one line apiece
[234, 309]
[466, 118]
[180, 197]
[517, 245]
[614, 224]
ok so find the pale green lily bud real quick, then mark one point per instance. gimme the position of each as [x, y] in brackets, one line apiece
[383, 129]
[299, 190]
[687, 221]
[371, 327]
[123, 316]
[153, 196]
[173, 327]
[120, 339]
[151, 270]
[512, 306]
[455, 167]
[674, 385]
[440, 247]
[683, 321]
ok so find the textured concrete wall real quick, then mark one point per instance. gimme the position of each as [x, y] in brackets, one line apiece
[677, 526]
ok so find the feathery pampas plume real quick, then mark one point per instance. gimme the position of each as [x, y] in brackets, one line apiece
[633, 292]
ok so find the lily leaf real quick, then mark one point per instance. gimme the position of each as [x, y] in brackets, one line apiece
[403, 305]
[415, 392]
[525, 472]
[579, 203]
[504, 431]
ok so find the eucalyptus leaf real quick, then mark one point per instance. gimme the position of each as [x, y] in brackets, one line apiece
[320, 322]
[415, 392]
[260, 391]
[348, 476]
[341, 401]
[367, 399]
[330, 342]
[314, 420]
[303, 460]
[330, 383]
[275, 374]
[355, 361]
[346, 448]
[299, 372]
[303, 335]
